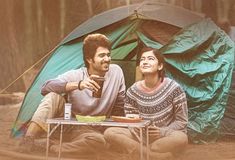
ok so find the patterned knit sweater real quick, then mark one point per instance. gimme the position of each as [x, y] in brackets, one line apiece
[165, 106]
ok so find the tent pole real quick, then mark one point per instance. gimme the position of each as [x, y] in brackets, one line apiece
[45, 56]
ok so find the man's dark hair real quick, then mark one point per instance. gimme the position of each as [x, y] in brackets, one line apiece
[91, 43]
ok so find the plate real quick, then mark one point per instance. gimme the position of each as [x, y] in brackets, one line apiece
[81, 118]
[125, 119]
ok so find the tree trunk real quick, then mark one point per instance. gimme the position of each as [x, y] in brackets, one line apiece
[62, 18]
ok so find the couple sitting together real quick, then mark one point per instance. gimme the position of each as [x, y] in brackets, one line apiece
[156, 98]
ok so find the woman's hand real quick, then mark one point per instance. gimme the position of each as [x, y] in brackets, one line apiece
[154, 132]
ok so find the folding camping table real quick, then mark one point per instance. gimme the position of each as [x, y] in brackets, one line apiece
[143, 125]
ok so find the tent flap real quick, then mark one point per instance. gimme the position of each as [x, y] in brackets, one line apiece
[203, 66]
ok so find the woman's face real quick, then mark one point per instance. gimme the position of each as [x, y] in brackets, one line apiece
[149, 63]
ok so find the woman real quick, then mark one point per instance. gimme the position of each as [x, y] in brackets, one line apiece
[160, 100]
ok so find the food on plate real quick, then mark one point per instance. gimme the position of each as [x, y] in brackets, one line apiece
[126, 119]
[81, 118]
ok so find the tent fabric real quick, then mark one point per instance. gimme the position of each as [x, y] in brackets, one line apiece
[200, 57]
[227, 126]
[149, 10]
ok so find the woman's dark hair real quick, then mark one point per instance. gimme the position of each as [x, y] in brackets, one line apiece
[91, 43]
[160, 58]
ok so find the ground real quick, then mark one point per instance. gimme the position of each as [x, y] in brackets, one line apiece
[221, 150]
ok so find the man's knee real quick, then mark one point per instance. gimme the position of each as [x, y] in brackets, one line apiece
[53, 102]
[52, 96]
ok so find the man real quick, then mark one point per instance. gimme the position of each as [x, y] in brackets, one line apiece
[79, 85]
[160, 100]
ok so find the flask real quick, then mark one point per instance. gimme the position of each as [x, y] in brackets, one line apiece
[67, 111]
[100, 82]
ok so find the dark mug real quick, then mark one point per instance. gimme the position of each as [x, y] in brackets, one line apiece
[100, 82]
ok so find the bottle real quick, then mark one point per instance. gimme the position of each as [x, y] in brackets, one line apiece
[67, 111]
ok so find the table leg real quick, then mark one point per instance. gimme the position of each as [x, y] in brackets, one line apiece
[61, 139]
[48, 140]
[141, 144]
[147, 142]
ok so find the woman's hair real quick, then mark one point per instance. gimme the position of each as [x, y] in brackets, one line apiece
[91, 43]
[160, 58]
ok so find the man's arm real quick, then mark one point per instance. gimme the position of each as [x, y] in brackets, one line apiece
[67, 83]
[58, 86]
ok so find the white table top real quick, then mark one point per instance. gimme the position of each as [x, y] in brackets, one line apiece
[107, 122]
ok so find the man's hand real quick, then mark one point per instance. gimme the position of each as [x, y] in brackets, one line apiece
[90, 84]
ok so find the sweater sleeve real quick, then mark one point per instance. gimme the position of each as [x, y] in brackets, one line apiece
[58, 84]
[53, 85]
[180, 114]
[130, 106]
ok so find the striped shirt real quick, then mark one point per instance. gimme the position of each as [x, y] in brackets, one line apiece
[165, 106]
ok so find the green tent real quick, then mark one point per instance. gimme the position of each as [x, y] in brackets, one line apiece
[199, 56]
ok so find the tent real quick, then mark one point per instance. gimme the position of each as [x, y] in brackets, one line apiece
[199, 56]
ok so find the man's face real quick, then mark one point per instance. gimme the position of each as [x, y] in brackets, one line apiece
[99, 65]
[149, 63]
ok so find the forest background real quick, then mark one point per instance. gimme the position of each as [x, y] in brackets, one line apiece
[30, 29]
